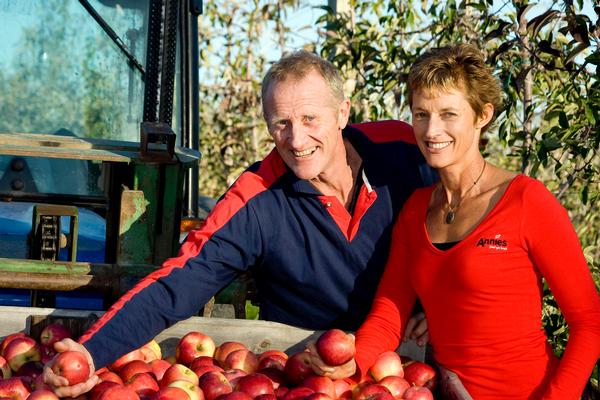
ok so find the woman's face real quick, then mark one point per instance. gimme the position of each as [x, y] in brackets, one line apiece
[446, 126]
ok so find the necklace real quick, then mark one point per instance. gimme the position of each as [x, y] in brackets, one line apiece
[451, 214]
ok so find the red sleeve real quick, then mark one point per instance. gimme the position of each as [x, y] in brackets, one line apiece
[391, 308]
[556, 252]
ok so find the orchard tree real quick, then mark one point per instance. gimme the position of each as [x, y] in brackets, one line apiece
[238, 39]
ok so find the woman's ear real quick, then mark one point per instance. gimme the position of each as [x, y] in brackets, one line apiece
[487, 113]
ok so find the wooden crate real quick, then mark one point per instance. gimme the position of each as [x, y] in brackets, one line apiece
[257, 335]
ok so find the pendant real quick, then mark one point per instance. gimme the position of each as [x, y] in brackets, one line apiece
[450, 217]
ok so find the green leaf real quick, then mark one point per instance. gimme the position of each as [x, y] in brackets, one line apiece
[589, 114]
[593, 58]
[563, 120]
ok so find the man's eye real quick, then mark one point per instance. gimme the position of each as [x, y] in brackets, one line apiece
[420, 115]
[281, 123]
[309, 118]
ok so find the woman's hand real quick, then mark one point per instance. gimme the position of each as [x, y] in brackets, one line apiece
[337, 372]
[59, 383]
[416, 328]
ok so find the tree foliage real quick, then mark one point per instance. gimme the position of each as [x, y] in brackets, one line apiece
[234, 58]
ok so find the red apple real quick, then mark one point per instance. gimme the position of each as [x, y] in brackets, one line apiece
[97, 390]
[178, 372]
[143, 384]
[72, 365]
[335, 347]
[42, 394]
[133, 368]
[13, 388]
[372, 391]
[170, 393]
[214, 384]
[255, 384]
[387, 363]
[420, 374]
[266, 396]
[396, 385]
[110, 377]
[48, 353]
[151, 351]
[223, 350]
[159, 366]
[235, 396]
[5, 371]
[234, 375]
[118, 392]
[21, 350]
[9, 339]
[203, 369]
[31, 369]
[276, 376]
[39, 384]
[192, 345]
[53, 333]
[281, 391]
[298, 393]
[125, 358]
[320, 384]
[418, 393]
[318, 396]
[272, 359]
[203, 360]
[242, 359]
[341, 386]
[298, 367]
[191, 389]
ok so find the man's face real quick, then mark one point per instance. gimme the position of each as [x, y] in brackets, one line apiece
[305, 122]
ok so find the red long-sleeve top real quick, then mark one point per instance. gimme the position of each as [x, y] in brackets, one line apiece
[483, 297]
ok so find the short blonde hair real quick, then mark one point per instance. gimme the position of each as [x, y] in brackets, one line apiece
[299, 64]
[460, 66]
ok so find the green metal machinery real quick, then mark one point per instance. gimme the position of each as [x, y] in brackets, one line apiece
[98, 143]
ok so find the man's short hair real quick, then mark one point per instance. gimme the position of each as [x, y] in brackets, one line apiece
[297, 65]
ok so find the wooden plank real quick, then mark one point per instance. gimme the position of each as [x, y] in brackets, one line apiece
[69, 147]
[257, 335]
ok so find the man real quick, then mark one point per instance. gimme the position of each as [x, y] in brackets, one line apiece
[312, 221]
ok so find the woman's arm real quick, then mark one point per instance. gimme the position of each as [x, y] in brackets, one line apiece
[556, 252]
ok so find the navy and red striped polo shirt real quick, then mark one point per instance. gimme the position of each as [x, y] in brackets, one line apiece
[315, 265]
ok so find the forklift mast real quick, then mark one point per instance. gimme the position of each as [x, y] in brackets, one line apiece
[98, 145]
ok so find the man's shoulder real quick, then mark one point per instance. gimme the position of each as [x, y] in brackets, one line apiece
[258, 177]
[387, 131]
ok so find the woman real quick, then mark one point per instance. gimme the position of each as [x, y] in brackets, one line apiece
[475, 247]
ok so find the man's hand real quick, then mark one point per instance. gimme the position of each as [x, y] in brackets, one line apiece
[416, 328]
[60, 383]
[320, 368]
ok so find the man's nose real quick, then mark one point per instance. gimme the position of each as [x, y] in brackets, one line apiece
[296, 135]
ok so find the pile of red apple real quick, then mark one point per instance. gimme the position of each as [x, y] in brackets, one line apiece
[200, 370]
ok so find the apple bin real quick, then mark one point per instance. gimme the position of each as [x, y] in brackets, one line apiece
[258, 336]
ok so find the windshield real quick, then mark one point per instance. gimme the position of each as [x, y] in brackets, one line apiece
[60, 73]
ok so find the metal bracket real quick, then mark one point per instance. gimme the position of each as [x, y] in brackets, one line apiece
[157, 141]
[46, 237]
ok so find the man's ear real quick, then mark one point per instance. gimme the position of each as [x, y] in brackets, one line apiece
[486, 115]
[344, 113]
